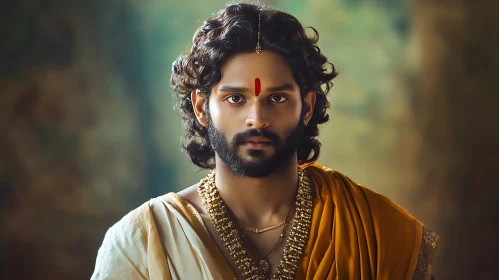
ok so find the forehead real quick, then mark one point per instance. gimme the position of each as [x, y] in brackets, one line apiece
[267, 66]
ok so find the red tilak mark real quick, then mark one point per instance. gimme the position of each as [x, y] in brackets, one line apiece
[257, 86]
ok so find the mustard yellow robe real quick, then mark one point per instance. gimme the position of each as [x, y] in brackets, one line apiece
[355, 234]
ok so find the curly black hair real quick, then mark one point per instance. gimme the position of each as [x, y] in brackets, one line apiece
[234, 30]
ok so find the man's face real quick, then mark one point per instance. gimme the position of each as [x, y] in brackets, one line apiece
[254, 117]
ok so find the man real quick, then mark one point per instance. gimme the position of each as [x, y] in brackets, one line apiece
[252, 92]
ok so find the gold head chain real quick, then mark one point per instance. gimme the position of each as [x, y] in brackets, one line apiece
[258, 48]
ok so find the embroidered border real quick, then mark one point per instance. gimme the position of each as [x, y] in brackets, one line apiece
[426, 251]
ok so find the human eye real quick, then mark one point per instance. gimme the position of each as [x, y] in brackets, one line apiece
[278, 98]
[234, 99]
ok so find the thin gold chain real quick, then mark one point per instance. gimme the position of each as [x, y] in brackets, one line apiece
[232, 237]
[265, 229]
[258, 48]
[281, 236]
[260, 230]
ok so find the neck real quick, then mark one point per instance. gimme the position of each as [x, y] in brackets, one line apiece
[258, 202]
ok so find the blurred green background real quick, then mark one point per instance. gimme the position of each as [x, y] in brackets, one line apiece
[89, 129]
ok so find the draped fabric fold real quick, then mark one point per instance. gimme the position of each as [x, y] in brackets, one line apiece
[162, 239]
[359, 234]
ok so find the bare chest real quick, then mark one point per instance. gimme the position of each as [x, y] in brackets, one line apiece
[268, 246]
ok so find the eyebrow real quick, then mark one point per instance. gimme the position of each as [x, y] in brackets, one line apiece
[234, 89]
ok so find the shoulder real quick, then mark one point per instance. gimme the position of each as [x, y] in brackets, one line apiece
[123, 252]
[131, 230]
[189, 192]
[132, 225]
[191, 196]
[395, 228]
[339, 183]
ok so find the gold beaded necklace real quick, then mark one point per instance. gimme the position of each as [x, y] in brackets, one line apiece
[232, 237]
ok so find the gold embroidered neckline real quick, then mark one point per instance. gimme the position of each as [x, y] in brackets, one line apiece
[232, 237]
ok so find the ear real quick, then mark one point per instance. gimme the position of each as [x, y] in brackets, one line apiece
[308, 106]
[198, 99]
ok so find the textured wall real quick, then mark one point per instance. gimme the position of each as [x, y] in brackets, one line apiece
[75, 146]
[456, 112]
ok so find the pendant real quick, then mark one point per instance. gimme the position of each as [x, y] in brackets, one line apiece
[264, 266]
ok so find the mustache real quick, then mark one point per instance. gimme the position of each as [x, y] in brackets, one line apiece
[243, 136]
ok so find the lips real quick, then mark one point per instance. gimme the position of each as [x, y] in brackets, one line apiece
[257, 142]
[257, 139]
[257, 145]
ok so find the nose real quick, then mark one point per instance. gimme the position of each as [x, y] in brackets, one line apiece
[257, 116]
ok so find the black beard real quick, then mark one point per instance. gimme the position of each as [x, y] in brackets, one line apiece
[228, 152]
